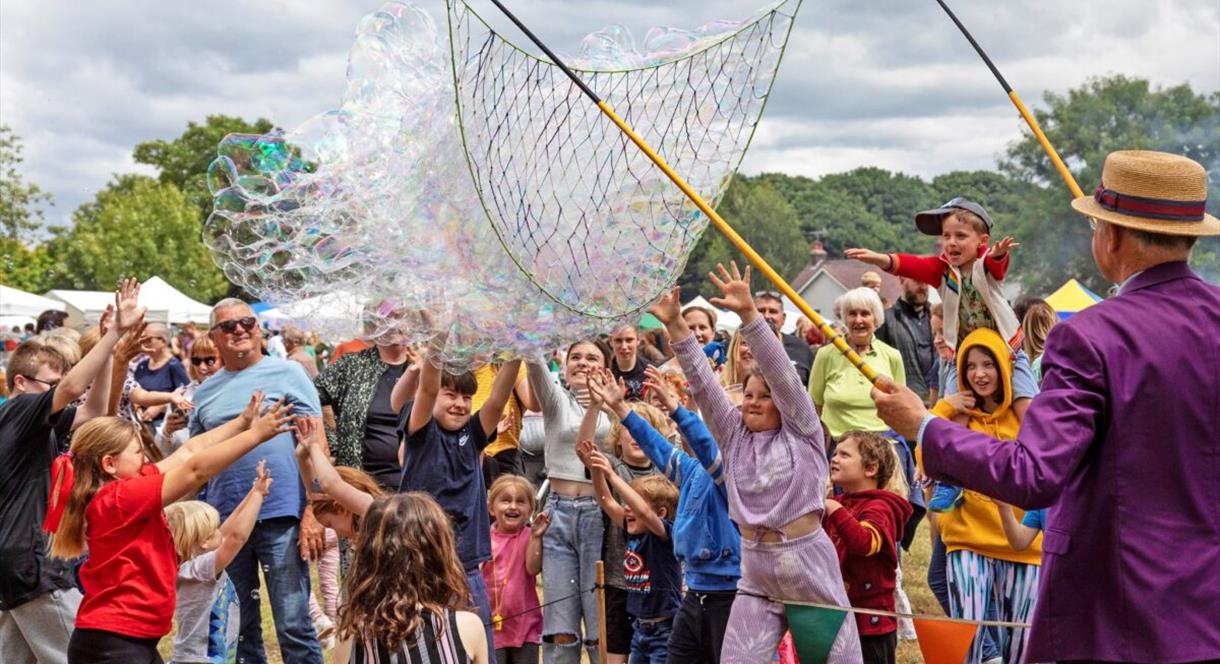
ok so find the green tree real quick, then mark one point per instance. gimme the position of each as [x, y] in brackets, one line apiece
[765, 220]
[138, 227]
[20, 215]
[27, 268]
[1086, 124]
[183, 161]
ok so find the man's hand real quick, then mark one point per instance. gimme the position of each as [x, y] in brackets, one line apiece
[899, 407]
[313, 536]
[869, 256]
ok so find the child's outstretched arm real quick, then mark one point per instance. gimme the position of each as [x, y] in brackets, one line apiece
[673, 462]
[311, 435]
[405, 388]
[860, 537]
[501, 391]
[533, 552]
[588, 423]
[184, 478]
[640, 509]
[1019, 536]
[600, 468]
[926, 269]
[425, 395]
[207, 439]
[996, 260]
[883, 261]
[236, 529]
[721, 414]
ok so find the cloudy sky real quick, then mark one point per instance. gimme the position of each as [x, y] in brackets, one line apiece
[889, 83]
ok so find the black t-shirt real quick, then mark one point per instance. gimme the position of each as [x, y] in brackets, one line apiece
[800, 354]
[448, 465]
[381, 432]
[30, 435]
[633, 380]
[653, 574]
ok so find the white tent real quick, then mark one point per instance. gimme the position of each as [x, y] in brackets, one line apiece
[156, 293]
[14, 302]
[726, 321]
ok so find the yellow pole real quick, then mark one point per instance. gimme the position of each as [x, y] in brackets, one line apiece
[1046, 144]
[602, 649]
[736, 240]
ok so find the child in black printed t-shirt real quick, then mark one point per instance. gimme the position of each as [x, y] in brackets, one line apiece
[653, 574]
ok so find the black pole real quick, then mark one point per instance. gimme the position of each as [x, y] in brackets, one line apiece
[999, 77]
[554, 58]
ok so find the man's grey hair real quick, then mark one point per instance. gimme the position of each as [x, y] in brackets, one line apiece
[227, 303]
[860, 298]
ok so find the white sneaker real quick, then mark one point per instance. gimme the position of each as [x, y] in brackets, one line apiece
[994, 660]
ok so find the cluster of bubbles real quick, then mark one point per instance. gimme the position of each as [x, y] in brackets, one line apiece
[365, 220]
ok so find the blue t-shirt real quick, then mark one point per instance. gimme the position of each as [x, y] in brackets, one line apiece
[168, 378]
[1035, 519]
[223, 397]
[448, 465]
[654, 577]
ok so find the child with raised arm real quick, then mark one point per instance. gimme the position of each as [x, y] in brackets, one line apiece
[654, 576]
[706, 542]
[339, 496]
[442, 455]
[773, 454]
[511, 574]
[208, 611]
[967, 276]
[865, 523]
[107, 500]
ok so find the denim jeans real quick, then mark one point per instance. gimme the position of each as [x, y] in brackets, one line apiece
[478, 593]
[938, 581]
[650, 643]
[570, 550]
[273, 547]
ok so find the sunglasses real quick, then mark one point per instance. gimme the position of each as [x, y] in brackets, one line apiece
[230, 326]
[48, 383]
[203, 360]
[774, 295]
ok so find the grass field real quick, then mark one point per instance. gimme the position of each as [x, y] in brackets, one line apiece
[914, 569]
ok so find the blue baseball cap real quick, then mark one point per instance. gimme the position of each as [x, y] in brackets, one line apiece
[928, 222]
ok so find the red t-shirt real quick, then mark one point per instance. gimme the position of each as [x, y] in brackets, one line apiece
[129, 577]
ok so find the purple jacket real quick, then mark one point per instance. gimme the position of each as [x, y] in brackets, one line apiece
[1123, 444]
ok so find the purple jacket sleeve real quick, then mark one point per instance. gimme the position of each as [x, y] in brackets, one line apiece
[718, 412]
[1061, 424]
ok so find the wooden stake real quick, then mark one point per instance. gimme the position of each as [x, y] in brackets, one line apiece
[602, 653]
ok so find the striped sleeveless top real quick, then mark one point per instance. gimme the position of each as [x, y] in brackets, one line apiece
[427, 648]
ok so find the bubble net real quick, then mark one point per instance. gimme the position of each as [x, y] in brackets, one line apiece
[464, 194]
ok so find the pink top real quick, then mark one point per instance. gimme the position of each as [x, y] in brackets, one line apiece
[774, 476]
[512, 591]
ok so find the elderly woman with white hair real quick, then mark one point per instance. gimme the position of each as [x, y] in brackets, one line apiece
[839, 390]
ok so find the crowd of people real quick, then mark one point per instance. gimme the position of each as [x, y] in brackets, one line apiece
[157, 481]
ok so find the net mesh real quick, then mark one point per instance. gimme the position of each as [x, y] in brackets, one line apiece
[583, 212]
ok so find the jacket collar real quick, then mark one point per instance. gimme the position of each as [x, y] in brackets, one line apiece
[1159, 274]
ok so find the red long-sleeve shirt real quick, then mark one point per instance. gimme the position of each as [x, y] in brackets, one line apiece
[866, 533]
[931, 269]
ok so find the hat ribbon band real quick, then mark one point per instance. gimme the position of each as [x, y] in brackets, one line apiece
[1149, 208]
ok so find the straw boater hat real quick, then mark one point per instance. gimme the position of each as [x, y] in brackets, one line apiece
[1156, 192]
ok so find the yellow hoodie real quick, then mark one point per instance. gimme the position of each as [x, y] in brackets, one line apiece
[975, 524]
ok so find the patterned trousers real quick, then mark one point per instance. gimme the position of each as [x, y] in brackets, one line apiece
[1010, 590]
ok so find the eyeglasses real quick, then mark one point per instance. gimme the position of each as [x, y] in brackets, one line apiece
[49, 383]
[203, 360]
[230, 326]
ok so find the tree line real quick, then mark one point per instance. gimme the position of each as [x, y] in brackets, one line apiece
[143, 226]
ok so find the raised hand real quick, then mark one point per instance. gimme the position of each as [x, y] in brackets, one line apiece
[869, 256]
[252, 407]
[669, 308]
[595, 384]
[736, 289]
[592, 457]
[539, 525]
[274, 420]
[1000, 249]
[128, 313]
[107, 319]
[129, 346]
[262, 479]
[659, 387]
[180, 401]
[608, 390]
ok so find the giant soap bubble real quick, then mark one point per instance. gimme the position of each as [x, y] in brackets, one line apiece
[465, 192]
